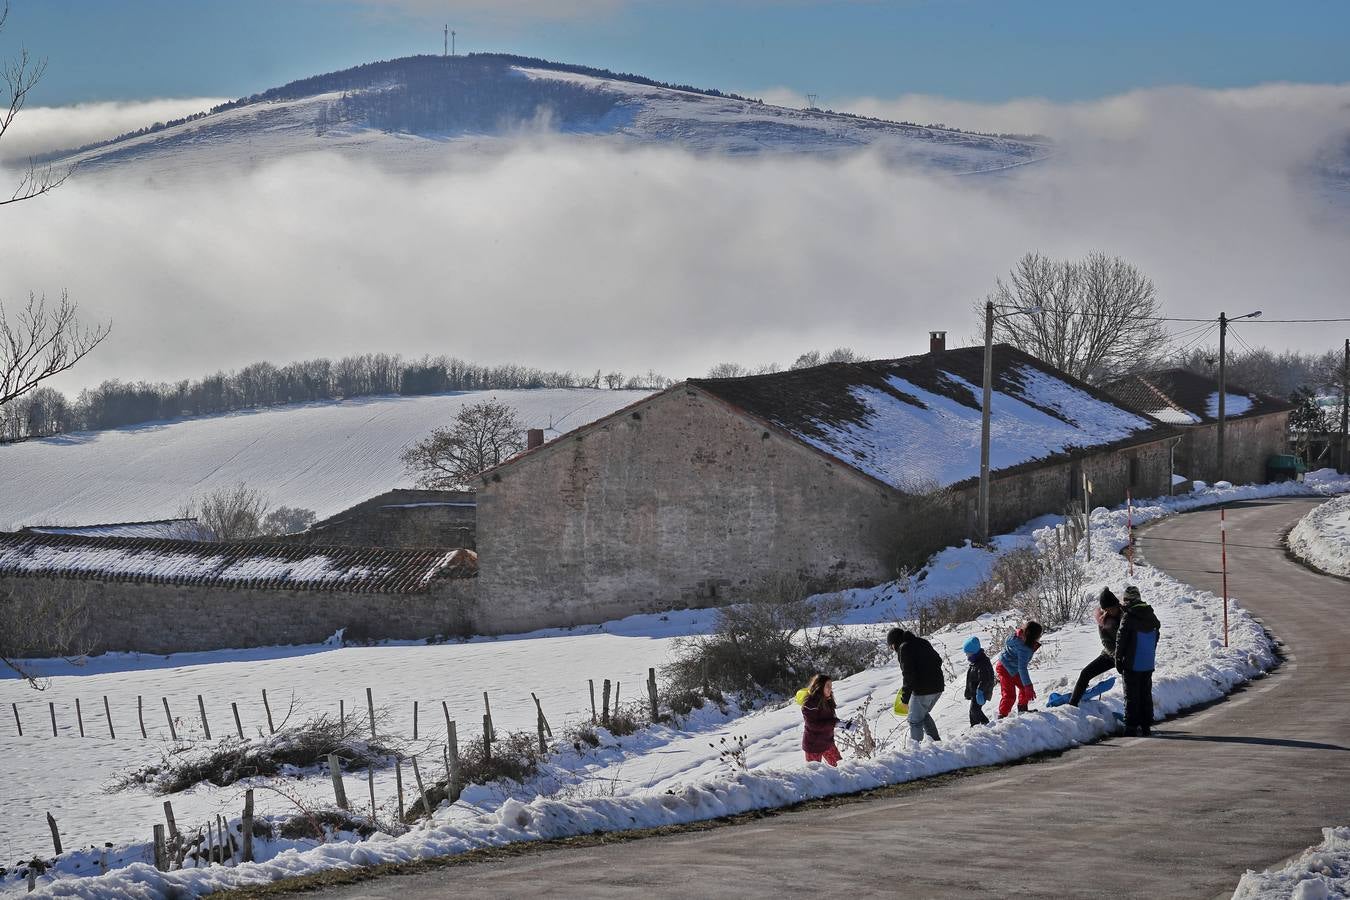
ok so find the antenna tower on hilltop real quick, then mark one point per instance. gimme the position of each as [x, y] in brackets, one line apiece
[445, 44]
[811, 101]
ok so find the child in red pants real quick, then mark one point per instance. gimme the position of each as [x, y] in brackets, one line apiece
[1014, 668]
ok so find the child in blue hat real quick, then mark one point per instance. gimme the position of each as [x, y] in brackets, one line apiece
[979, 681]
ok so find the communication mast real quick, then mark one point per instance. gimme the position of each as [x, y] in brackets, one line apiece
[445, 45]
[811, 101]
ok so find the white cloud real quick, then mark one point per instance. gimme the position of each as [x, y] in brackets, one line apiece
[40, 129]
[583, 256]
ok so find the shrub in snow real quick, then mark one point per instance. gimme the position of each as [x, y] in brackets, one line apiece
[768, 646]
[231, 759]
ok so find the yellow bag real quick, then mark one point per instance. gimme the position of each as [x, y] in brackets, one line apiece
[900, 708]
[800, 698]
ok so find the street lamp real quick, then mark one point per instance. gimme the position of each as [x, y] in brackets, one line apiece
[1223, 384]
[989, 317]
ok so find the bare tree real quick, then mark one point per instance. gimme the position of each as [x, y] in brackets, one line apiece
[41, 341]
[483, 435]
[42, 618]
[1096, 319]
[21, 75]
[287, 520]
[234, 513]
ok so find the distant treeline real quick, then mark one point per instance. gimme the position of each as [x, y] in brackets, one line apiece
[114, 404]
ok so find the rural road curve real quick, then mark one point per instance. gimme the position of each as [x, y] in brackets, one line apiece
[1243, 784]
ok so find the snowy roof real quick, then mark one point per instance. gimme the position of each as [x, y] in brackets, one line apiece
[1183, 397]
[401, 498]
[245, 565]
[915, 422]
[174, 529]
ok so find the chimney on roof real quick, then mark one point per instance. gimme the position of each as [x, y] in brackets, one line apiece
[937, 341]
[534, 438]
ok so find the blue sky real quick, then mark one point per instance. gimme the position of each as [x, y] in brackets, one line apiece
[986, 51]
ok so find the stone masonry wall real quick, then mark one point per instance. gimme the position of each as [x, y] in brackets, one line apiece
[678, 503]
[1248, 443]
[412, 527]
[169, 618]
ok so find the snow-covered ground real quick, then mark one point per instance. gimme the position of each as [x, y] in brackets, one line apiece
[661, 776]
[320, 456]
[1322, 537]
[1319, 873]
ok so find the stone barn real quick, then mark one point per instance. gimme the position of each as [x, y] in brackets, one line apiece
[836, 473]
[1256, 426]
[407, 518]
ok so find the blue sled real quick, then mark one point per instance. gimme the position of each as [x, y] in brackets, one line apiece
[1091, 693]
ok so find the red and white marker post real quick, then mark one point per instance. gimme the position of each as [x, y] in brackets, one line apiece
[1223, 557]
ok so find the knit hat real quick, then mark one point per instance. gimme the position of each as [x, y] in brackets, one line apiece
[972, 645]
[1109, 600]
[1132, 594]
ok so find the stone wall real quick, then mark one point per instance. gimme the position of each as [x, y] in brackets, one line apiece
[683, 502]
[170, 618]
[405, 518]
[677, 503]
[1248, 443]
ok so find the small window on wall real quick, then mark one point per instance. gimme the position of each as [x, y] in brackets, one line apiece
[1134, 471]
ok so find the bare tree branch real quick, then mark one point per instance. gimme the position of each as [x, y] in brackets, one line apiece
[483, 435]
[21, 75]
[41, 341]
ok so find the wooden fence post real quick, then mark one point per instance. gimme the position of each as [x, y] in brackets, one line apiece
[651, 692]
[615, 708]
[238, 725]
[426, 799]
[51, 708]
[398, 784]
[487, 717]
[173, 732]
[604, 703]
[56, 835]
[107, 714]
[339, 791]
[370, 783]
[79, 716]
[17, 723]
[140, 714]
[271, 729]
[161, 861]
[370, 707]
[170, 821]
[539, 723]
[201, 707]
[487, 737]
[414, 724]
[591, 683]
[452, 779]
[246, 825]
[543, 718]
[342, 717]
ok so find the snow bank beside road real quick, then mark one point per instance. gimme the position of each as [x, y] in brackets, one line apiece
[1322, 537]
[672, 777]
[1320, 873]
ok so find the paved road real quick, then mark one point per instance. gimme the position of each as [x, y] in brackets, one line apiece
[1244, 783]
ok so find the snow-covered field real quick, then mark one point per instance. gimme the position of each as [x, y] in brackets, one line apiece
[661, 776]
[1322, 537]
[1319, 873]
[320, 456]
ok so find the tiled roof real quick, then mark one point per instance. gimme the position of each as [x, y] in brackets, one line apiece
[244, 565]
[915, 421]
[176, 529]
[1183, 397]
[400, 498]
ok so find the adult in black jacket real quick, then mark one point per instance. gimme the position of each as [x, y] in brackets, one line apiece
[1108, 614]
[921, 680]
[1136, 652]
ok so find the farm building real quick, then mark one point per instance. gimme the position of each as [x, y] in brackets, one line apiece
[838, 473]
[175, 529]
[1256, 426]
[160, 596]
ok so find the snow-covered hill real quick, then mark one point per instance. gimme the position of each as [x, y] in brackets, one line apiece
[412, 113]
[319, 456]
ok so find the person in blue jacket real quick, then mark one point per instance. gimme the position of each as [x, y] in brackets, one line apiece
[979, 681]
[1136, 654]
[1014, 668]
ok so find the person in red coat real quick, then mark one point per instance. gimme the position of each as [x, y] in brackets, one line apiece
[819, 720]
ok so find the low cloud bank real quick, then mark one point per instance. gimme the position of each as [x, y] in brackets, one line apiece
[582, 255]
[43, 129]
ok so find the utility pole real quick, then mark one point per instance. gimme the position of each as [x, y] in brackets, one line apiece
[984, 419]
[1223, 391]
[445, 43]
[1345, 409]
